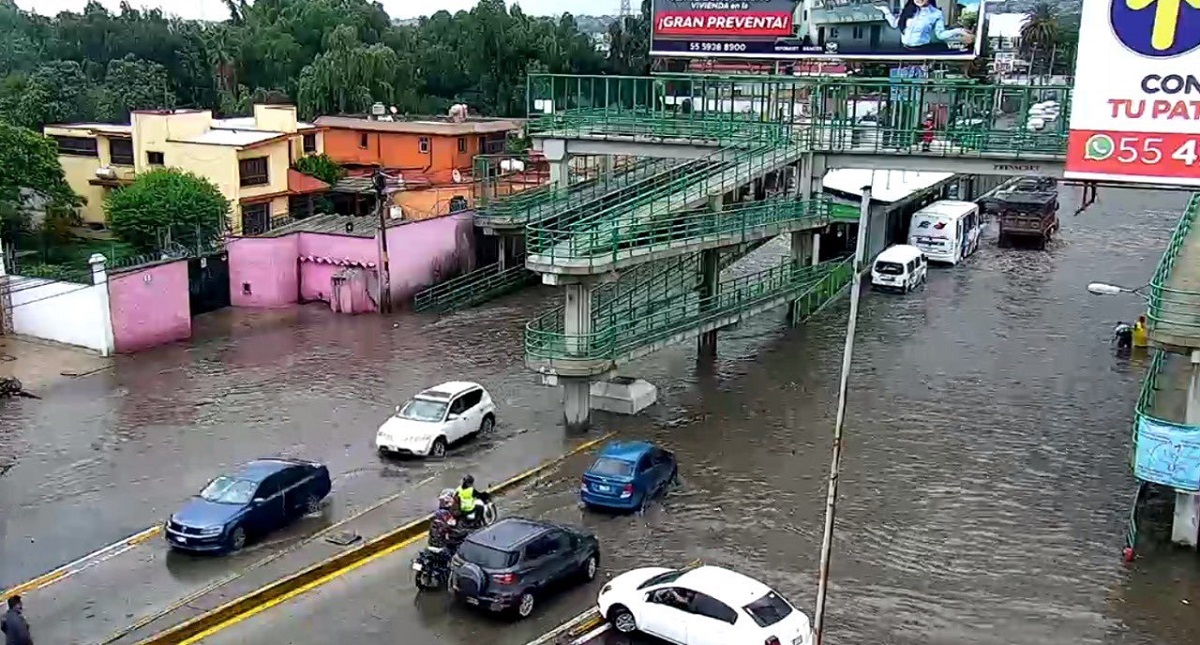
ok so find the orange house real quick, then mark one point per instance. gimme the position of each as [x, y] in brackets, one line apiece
[425, 152]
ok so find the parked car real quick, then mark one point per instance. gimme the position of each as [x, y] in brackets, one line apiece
[252, 501]
[436, 418]
[702, 606]
[627, 475]
[509, 565]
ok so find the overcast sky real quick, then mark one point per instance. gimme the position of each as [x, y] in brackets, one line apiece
[215, 9]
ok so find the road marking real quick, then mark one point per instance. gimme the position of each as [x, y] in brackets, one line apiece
[592, 635]
[337, 573]
[209, 588]
[86, 562]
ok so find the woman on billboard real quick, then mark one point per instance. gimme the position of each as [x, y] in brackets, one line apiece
[922, 27]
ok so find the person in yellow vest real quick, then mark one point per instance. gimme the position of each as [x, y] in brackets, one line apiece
[1140, 332]
[466, 499]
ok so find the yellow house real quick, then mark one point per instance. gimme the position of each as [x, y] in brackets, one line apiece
[249, 159]
[95, 157]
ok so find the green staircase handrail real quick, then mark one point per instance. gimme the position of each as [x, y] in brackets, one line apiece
[473, 288]
[1163, 300]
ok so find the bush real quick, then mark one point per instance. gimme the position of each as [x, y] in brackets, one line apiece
[167, 204]
[321, 167]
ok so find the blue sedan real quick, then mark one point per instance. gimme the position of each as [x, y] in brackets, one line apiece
[627, 475]
[252, 501]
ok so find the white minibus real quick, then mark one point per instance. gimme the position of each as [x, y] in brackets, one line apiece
[899, 268]
[946, 231]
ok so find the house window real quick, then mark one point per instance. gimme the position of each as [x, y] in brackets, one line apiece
[256, 218]
[462, 145]
[253, 172]
[154, 158]
[76, 146]
[310, 144]
[120, 152]
[833, 33]
[858, 33]
[362, 141]
[423, 145]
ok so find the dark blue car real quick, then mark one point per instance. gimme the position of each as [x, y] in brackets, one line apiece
[627, 475]
[250, 502]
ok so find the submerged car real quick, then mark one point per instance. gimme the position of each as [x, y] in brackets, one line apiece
[431, 421]
[507, 566]
[252, 501]
[628, 474]
[702, 606]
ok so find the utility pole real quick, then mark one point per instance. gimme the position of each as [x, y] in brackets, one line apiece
[379, 181]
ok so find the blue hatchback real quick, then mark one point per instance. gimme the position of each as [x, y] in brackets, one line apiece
[628, 474]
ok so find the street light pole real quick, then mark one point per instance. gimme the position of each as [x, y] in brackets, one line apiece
[379, 181]
[860, 251]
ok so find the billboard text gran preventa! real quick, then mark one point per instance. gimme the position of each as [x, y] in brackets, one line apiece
[896, 29]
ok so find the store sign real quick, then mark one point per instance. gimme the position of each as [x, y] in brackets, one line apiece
[915, 30]
[1135, 111]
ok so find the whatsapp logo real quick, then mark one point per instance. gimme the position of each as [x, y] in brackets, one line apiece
[1099, 147]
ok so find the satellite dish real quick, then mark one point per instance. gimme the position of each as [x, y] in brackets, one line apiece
[457, 176]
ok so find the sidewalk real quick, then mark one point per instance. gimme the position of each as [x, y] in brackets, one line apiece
[41, 365]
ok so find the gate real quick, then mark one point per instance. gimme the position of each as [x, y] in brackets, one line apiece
[208, 283]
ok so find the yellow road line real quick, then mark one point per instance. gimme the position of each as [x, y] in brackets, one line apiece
[81, 564]
[332, 575]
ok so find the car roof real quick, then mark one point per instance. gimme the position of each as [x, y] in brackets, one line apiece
[509, 533]
[260, 469]
[447, 390]
[947, 207]
[730, 587]
[626, 450]
[898, 253]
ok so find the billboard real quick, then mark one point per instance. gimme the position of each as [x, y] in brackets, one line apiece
[850, 29]
[1135, 111]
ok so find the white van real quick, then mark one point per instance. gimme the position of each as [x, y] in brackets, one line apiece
[899, 268]
[946, 231]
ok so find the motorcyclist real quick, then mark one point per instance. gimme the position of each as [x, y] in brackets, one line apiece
[468, 505]
[445, 529]
[1123, 334]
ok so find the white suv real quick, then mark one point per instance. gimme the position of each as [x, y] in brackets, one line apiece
[432, 420]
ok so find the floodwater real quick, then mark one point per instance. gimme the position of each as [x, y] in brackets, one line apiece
[985, 487]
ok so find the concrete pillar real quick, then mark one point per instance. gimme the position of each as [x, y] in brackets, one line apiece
[707, 349]
[606, 168]
[555, 151]
[577, 326]
[502, 251]
[816, 248]
[802, 247]
[106, 343]
[1185, 529]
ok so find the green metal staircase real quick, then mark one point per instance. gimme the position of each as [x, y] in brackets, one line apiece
[474, 288]
[631, 323]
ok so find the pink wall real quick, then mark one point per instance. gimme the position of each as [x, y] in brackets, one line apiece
[430, 251]
[316, 279]
[262, 271]
[150, 306]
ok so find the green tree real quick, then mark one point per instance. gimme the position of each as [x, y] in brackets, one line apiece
[1040, 28]
[167, 206]
[349, 77]
[28, 162]
[322, 167]
[134, 84]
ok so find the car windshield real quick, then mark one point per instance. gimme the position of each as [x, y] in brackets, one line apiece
[889, 268]
[661, 579]
[227, 490]
[611, 467]
[768, 610]
[423, 410]
[486, 557]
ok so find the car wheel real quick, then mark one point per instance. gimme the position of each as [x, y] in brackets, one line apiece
[622, 619]
[525, 605]
[590, 567]
[488, 425]
[312, 504]
[237, 539]
[439, 448]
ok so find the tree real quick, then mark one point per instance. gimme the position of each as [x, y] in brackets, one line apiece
[322, 167]
[349, 77]
[134, 84]
[167, 206]
[28, 162]
[1040, 28]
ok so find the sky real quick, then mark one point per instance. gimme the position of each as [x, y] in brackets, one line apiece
[215, 9]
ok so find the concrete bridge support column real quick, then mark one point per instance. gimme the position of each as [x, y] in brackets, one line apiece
[1185, 529]
[709, 278]
[555, 151]
[577, 328]
[504, 251]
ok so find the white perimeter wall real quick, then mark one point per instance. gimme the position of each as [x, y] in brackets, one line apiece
[63, 312]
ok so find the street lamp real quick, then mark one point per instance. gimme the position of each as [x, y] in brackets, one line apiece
[1105, 289]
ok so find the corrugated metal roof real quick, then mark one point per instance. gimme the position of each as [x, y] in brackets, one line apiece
[356, 225]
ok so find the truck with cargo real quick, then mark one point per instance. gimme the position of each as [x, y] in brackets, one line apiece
[1025, 217]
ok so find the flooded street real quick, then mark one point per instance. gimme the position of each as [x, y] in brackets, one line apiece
[985, 487]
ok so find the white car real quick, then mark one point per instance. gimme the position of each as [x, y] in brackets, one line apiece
[702, 606]
[432, 420]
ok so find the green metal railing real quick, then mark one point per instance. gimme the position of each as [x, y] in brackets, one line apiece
[545, 338]
[1173, 309]
[723, 170]
[824, 114]
[608, 241]
[473, 288]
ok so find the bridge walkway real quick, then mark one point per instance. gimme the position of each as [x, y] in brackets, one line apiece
[1174, 291]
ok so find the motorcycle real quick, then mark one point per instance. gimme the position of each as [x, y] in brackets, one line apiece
[431, 567]
[1123, 337]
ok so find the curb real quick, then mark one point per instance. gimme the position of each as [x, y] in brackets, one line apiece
[329, 567]
[572, 631]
